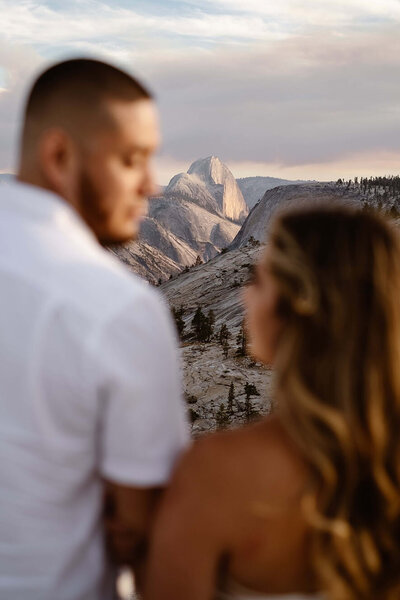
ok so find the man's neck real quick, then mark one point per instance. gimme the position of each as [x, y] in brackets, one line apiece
[35, 178]
[28, 176]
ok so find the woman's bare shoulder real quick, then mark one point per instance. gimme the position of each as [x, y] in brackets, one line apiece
[225, 486]
[257, 456]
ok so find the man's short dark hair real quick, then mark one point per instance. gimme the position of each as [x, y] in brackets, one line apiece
[73, 93]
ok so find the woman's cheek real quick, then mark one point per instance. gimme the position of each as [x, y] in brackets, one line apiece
[254, 327]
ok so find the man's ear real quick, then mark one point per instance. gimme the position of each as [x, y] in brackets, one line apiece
[57, 156]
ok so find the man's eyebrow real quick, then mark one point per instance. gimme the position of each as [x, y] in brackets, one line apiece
[139, 148]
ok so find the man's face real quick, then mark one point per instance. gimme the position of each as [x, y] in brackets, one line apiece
[115, 177]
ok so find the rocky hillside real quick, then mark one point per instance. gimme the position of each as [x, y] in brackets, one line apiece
[257, 223]
[216, 285]
[254, 188]
[206, 233]
[209, 368]
[147, 261]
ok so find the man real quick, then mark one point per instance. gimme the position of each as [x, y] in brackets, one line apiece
[89, 384]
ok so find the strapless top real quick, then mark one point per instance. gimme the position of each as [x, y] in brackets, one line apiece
[235, 591]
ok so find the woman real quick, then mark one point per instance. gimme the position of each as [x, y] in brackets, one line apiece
[308, 500]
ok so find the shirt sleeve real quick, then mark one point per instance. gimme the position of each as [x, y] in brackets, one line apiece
[143, 420]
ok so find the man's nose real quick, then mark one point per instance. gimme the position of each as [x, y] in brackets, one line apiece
[149, 186]
[155, 190]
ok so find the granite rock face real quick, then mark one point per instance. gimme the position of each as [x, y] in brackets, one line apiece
[284, 197]
[211, 184]
[192, 189]
[146, 261]
[204, 231]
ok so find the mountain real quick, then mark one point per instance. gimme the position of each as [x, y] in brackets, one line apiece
[198, 214]
[257, 223]
[156, 234]
[217, 284]
[174, 234]
[203, 231]
[147, 261]
[190, 188]
[209, 183]
[254, 188]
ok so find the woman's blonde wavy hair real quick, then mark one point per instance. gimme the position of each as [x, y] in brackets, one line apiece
[338, 389]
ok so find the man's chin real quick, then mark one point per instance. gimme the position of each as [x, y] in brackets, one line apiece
[118, 239]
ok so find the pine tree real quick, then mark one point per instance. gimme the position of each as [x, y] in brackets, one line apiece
[241, 342]
[198, 324]
[178, 317]
[222, 417]
[210, 324]
[249, 410]
[193, 415]
[225, 348]
[202, 325]
[253, 242]
[224, 334]
[231, 397]
[198, 261]
[250, 390]
[212, 409]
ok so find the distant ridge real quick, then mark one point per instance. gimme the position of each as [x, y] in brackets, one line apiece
[254, 188]
[257, 223]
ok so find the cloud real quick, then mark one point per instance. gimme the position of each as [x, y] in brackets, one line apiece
[362, 164]
[18, 63]
[284, 85]
[166, 167]
[302, 13]
[299, 101]
[116, 26]
[31, 23]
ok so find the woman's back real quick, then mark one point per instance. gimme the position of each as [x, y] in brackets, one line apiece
[268, 481]
[235, 591]
[238, 494]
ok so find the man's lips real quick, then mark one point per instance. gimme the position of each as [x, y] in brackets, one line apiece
[137, 214]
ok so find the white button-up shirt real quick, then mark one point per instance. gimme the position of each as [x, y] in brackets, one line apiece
[89, 389]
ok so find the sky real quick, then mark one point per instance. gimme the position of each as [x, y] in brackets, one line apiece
[291, 88]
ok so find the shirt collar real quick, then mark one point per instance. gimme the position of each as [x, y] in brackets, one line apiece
[37, 203]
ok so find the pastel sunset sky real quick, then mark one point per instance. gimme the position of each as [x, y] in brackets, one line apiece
[287, 88]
